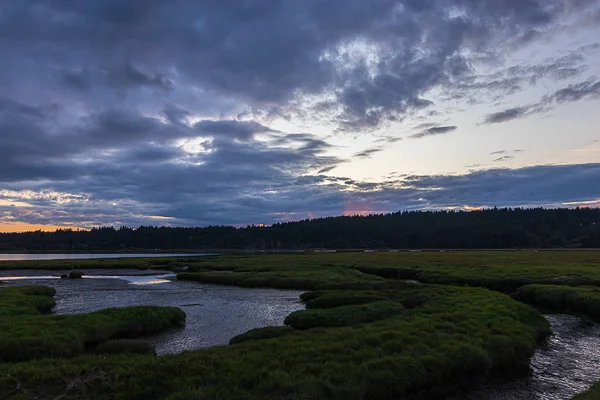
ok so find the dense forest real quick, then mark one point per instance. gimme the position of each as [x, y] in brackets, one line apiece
[485, 229]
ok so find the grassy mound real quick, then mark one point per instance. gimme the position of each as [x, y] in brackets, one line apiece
[343, 315]
[268, 332]
[25, 334]
[286, 278]
[580, 300]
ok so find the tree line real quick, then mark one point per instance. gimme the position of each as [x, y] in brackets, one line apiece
[497, 228]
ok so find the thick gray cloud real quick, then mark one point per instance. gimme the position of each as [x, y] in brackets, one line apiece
[204, 198]
[376, 58]
[124, 111]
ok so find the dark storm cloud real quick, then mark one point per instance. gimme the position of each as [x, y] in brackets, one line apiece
[436, 130]
[270, 52]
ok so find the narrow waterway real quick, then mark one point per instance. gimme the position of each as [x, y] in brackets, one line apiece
[566, 365]
[215, 313]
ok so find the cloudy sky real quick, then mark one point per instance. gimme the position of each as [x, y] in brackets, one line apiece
[198, 112]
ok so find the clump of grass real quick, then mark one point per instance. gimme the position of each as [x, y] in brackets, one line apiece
[580, 300]
[268, 332]
[75, 275]
[26, 334]
[25, 301]
[132, 346]
[337, 299]
[343, 315]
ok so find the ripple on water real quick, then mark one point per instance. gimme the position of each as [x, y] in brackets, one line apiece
[566, 365]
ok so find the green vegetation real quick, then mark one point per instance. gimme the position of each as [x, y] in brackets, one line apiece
[268, 332]
[25, 334]
[102, 263]
[457, 336]
[306, 278]
[580, 300]
[503, 271]
[366, 334]
[344, 315]
[133, 346]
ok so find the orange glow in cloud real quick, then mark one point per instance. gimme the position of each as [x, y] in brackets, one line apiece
[25, 227]
[583, 204]
[359, 208]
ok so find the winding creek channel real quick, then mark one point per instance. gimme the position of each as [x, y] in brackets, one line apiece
[567, 364]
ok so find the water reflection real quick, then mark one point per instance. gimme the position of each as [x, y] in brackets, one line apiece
[132, 279]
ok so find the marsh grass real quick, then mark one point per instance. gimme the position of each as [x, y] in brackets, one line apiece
[289, 278]
[564, 299]
[350, 346]
[455, 336]
[268, 332]
[26, 334]
[343, 315]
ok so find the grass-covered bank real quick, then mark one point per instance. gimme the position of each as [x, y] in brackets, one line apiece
[452, 337]
[503, 271]
[26, 333]
[584, 300]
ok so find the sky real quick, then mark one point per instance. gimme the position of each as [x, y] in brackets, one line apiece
[206, 112]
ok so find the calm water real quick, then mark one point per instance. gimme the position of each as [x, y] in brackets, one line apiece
[215, 313]
[20, 257]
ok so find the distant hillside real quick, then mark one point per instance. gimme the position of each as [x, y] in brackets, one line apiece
[485, 229]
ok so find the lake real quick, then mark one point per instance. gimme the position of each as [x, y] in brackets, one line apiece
[63, 256]
[215, 313]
